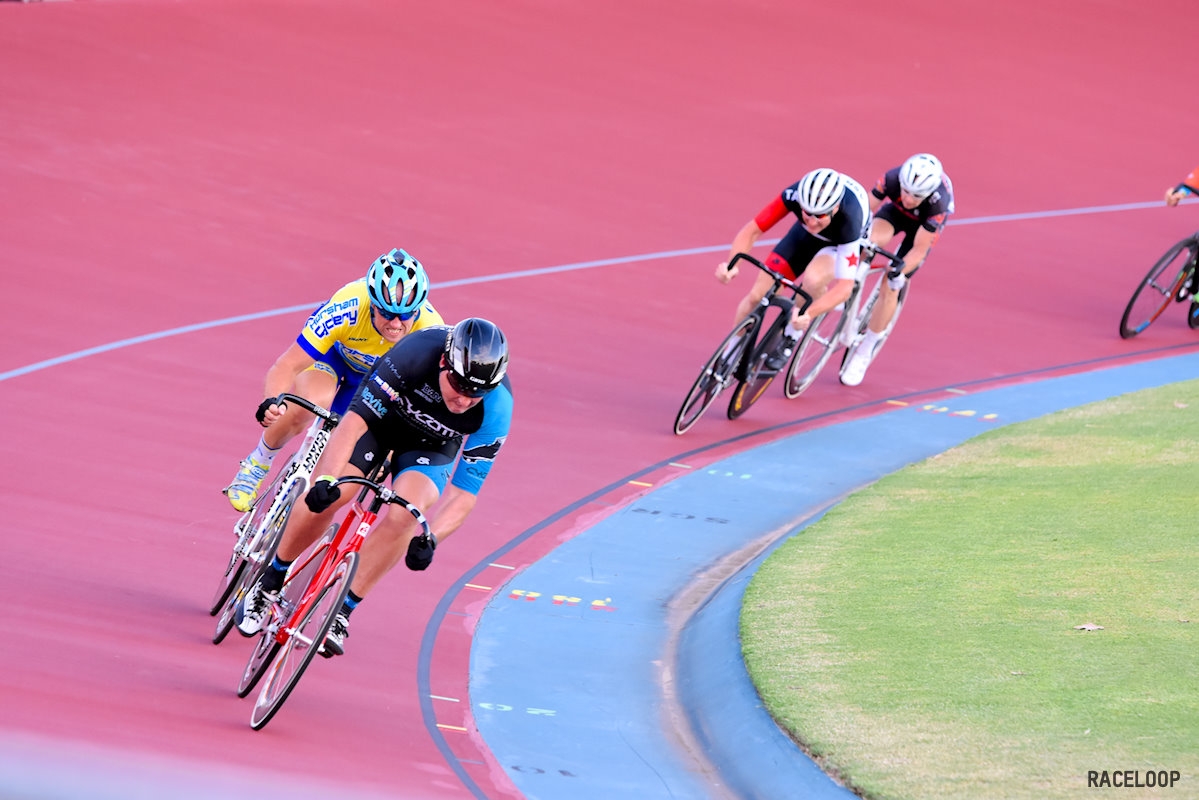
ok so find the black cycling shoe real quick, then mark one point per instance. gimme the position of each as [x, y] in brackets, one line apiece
[778, 359]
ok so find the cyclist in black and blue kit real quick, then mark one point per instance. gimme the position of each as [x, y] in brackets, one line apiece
[437, 393]
[823, 246]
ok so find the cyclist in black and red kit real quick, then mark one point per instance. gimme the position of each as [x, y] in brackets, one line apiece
[913, 200]
[438, 391]
[823, 246]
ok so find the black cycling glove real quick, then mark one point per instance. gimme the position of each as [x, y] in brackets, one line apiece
[323, 494]
[260, 414]
[420, 552]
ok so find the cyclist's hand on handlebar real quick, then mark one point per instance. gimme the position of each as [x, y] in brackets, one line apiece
[800, 321]
[420, 552]
[724, 274]
[324, 493]
[269, 410]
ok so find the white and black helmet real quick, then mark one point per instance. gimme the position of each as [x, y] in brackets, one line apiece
[476, 354]
[820, 191]
[920, 175]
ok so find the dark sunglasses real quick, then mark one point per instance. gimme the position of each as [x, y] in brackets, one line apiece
[387, 315]
[462, 388]
[814, 216]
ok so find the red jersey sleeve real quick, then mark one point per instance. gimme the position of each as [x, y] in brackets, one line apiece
[1192, 180]
[769, 216]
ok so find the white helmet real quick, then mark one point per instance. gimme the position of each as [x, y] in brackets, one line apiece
[820, 191]
[920, 175]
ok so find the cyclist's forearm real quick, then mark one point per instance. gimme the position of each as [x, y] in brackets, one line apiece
[745, 239]
[838, 292]
[457, 505]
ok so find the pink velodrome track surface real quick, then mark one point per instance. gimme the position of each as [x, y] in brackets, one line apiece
[182, 165]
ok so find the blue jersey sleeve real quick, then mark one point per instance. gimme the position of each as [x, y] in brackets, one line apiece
[480, 448]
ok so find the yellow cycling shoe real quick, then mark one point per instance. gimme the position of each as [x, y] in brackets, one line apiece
[244, 490]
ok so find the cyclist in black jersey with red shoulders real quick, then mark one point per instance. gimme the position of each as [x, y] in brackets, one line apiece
[913, 200]
[438, 393]
[823, 246]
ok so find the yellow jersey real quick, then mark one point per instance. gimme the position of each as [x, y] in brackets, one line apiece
[344, 324]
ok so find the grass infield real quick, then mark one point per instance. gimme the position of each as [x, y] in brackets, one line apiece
[921, 639]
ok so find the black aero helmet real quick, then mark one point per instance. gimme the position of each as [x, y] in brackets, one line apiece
[476, 354]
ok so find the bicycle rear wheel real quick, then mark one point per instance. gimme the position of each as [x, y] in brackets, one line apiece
[303, 642]
[1161, 285]
[246, 536]
[255, 561]
[714, 376]
[814, 350]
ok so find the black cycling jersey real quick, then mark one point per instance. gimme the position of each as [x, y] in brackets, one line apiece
[930, 214]
[847, 225]
[403, 407]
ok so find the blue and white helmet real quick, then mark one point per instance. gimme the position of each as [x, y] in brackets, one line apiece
[397, 283]
[820, 191]
[920, 175]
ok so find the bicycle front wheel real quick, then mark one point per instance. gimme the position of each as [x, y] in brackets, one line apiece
[1163, 283]
[261, 552]
[714, 376]
[814, 350]
[303, 642]
[757, 375]
[247, 533]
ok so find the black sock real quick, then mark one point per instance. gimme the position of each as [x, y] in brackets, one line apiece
[273, 575]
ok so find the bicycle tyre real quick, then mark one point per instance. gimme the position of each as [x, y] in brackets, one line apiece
[256, 561]
[237, 561]
[814, 350]
[713, 376]
[303, 643]
[1153, 295]
[757, 378]
[1193, 315]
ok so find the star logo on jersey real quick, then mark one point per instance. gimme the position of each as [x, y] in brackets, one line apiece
[853, 259]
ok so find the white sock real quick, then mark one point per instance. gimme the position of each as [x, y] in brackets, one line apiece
[869, 340]
[263, 453]
[792, 332]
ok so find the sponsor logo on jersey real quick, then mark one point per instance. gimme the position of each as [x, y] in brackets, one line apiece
[483, 452]
[331, 315]
[374, 403]
[386, 388]
[425, 420]
[429, 393]
[423, 460]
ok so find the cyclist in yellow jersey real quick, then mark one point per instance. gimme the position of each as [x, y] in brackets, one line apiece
[337, 347]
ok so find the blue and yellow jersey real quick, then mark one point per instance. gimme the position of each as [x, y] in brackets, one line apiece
[344, 325]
